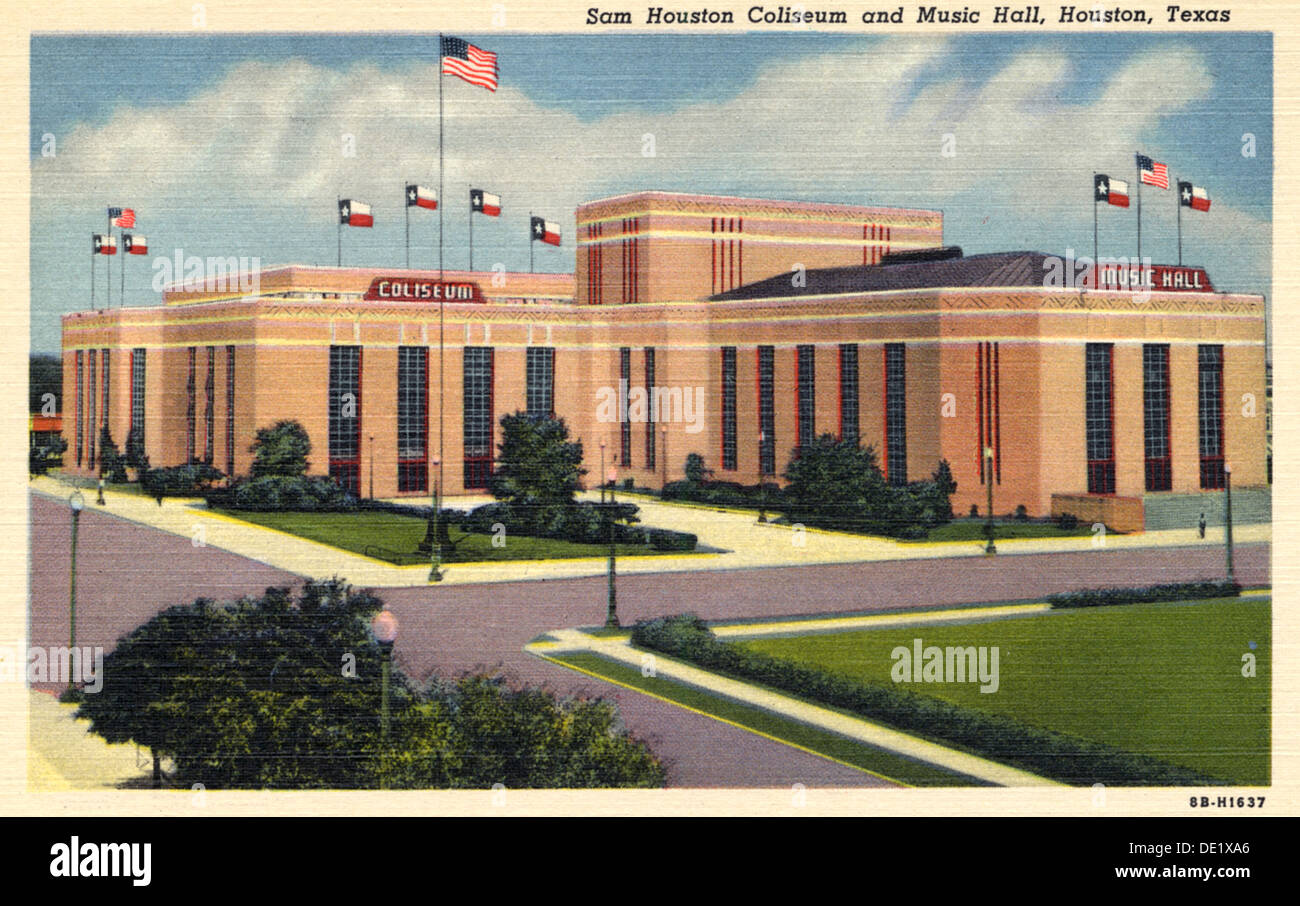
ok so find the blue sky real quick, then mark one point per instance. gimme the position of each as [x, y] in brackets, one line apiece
[230, 144]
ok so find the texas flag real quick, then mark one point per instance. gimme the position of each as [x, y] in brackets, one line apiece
[103, 245]
[485, 202]
[1190, 196]
[135, 244]
[355, 213]
[545, 231]
[1111, 191]
[420, 197]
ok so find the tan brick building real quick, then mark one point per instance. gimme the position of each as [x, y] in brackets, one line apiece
[733, 328]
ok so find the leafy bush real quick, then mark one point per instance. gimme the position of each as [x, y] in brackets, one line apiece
[41, 459]
[281, 449]
[191, 480]
[1068, 521]
[249, 694]
[1022, 513]
[271, 493]
[1041, 751]
[1174, 591]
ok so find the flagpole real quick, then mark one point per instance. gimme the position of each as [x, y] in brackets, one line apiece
[108, 272]
[471, 236]
[442, 203]
[408, 225]
[93, 256]
[1178, 200]
[338, 225]
[1094, 226]
[1138, 170]
[530, 242]
[121, 272]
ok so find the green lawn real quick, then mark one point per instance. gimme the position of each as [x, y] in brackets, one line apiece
[399, 535]
[823, 742]
[1162, 680]
[973, 530]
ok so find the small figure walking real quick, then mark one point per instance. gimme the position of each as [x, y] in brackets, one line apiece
[1200, 526]
[100, 500]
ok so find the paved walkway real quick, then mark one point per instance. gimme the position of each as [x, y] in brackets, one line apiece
[63, 754]
[863, 731]
[744, 543]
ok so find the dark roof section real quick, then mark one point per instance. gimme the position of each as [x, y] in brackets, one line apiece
[902, 272]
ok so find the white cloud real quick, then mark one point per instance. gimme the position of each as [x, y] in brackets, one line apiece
[261, 151]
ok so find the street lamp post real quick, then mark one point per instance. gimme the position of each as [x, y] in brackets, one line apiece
[76, 503]
[989, 548]
[372, 467]
[664, 452]
[1227, 520]
[762, 487]
[384, 626]
[611, 613]
[435, 550]
[602, 472]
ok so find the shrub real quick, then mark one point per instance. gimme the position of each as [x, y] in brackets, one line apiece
[974, 511]
[694, 469]
[1068, 521]
[1022, 513]
[1173, 591]
[281, 450]
[191, 480]
[271, 493]
[1045, 752]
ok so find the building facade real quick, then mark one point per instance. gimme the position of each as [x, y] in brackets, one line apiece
[738, 329]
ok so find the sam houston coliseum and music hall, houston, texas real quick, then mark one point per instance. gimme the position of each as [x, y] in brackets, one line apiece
[735, 328]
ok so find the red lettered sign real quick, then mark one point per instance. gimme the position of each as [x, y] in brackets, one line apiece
[405, 289]
[1156, 278]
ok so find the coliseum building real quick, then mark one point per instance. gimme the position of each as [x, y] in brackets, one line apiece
[735, 328]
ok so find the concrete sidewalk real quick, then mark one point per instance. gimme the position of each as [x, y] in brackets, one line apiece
[858, 729]
[743, 542]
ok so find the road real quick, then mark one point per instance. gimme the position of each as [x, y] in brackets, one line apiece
[128, 572]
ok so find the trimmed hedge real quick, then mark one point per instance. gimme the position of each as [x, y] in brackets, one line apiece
[272, 493]
[192, 480]
[581, 522]
[1173, 591]
[1059, 756]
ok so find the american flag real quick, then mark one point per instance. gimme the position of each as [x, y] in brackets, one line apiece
[122, 217]
[463, 60]
[1153, 172]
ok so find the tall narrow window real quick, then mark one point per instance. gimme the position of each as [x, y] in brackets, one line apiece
[1155, 413]
[412, 418]
[209, 392]
[1209, 406]
[650, 408]
[135, 437]
[345, 417]
[849, 378]
[92, 384]
[230, 410]
[896, 413]
[806, 394]
[478, 415]
[988, 412]
[107, 386]
[767, 410]
[729, 408]
[189, 409]
[625, 426]
[539, 381]
[1098, 388]
[80, 392]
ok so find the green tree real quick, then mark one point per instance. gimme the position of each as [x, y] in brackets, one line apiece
[281, 450]
[284, 692]
[694, 469]
[112, 465]
[538, 468]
